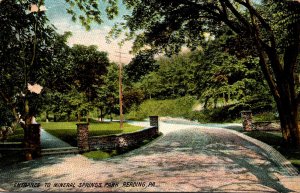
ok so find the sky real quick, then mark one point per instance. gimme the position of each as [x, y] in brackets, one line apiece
[58, 16]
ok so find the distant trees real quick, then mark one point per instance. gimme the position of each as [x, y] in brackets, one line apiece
[232, 75]
[107, 100]
[173, 78]
[142, 64]
[211, 74]
[86, 85]
[89, 68]
[271, 30]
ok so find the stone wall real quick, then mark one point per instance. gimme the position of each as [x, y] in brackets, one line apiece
[250, 125]
[266, 126]
[122, 141]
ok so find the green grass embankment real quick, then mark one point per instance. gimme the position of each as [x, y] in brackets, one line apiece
[181, 107]
[67, 131]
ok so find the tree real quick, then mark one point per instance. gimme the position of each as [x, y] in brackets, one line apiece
[6, 116]
[108, 93]
[62, 63]
[271, 27]
[173, 78]
[141, 65]
[132, 98]
[90, 66]
[26, 58]
[176, 75]
[65, 104]
[230, 75]
[150, 84]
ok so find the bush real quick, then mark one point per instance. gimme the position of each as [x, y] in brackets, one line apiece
[6, 116]
[98, 154]
[232, 112]
[180, 107]
[265, 116]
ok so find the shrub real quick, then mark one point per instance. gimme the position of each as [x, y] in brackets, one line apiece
[265, 116]
[180, 107]
[6, 116]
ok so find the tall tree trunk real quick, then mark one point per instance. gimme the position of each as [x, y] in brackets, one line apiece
[69, 116]
[215, 102]
[289, 125]
[280, 78]
[17, 119]
[288, 114]
[205, 103]
[282, 87]
[287, 106]
[27, 116]
[47, 116]
[87, 116]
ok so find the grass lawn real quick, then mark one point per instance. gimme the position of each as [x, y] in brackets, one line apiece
[67, 131]
[275, 140]
[99, 154]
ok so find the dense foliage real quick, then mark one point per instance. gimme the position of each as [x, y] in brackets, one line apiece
[269, 30]
[238, 47]
[26, 57]
[181, 107]
[34, 56]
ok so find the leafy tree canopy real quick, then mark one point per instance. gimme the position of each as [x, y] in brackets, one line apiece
[89, 67]
[142, 64]
[271, 27]
[27, 56]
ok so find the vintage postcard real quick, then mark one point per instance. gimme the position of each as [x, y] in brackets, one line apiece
[149, 96]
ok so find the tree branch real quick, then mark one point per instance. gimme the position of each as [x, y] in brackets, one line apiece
[224, 8]
[268, 76]
[238, 15]
[215, 12]
[4, 97]
[292, 51]
[264, 24]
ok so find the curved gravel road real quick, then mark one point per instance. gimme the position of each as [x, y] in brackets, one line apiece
[185, 158]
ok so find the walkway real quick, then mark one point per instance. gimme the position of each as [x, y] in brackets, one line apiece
[50, 141]
[185, 158]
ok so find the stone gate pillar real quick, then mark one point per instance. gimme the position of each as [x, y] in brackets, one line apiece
[154, 122]
[83, 136]
[32, 141]
[247, 120]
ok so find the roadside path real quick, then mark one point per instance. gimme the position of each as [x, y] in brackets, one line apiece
[50, 141]
[185, 158]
